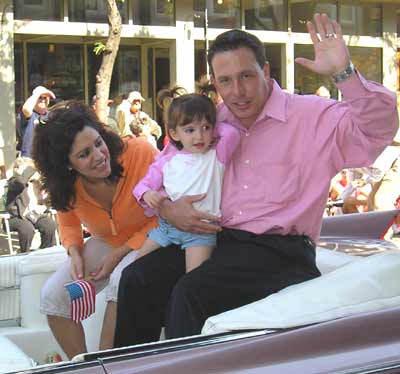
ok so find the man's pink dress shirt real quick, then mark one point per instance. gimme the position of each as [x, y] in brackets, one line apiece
[279, 176]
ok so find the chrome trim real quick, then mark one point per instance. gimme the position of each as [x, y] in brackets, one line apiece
[170, 345]
[373, 368]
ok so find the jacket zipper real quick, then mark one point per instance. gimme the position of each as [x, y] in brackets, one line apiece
[113, 229]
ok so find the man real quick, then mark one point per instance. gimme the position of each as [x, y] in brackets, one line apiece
[131, 117]
[275, 187]
[111, 122]
[26, 206]
[34, 107]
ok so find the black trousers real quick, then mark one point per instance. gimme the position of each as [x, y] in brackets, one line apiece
[245, 267]
[26, 230]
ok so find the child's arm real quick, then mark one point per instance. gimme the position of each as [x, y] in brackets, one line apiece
[227, 142]
[153, 199]
[152, 181]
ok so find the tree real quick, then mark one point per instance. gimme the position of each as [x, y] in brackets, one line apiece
[109, 51]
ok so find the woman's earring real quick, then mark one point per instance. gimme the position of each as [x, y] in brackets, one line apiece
[69, 168]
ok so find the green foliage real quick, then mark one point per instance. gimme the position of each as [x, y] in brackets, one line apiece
[99, 47]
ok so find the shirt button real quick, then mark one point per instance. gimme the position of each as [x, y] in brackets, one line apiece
[247, 162]
[245, 186]
[240, 213]
[247, 134]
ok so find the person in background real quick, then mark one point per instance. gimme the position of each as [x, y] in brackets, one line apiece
[163, 102]
[34, 107]
[130, 114]
[111, 122]
[89, 173]
[206, 88]
[323, 92]
[275, 187]
[27, 207]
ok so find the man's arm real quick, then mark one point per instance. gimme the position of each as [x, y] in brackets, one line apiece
[366, 121]
[29, 105]
[183, 216]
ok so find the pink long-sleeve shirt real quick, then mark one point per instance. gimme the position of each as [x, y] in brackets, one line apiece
[279, 177]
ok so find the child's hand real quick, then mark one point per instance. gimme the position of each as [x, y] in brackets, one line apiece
[153, 199]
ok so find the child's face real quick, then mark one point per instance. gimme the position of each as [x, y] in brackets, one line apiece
[195, 137]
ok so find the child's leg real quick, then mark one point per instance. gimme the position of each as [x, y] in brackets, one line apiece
[195, 256]
[148, 246]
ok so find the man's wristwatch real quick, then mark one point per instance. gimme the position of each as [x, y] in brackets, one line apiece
[343, 75]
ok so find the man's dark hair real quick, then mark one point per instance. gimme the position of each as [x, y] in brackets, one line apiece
[234, 39]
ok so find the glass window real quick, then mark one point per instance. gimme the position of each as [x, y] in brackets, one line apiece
[398, 69]
[273, 53]
[94, 11]
[265, 15]
[224, 14]
[357, 18]
[44, 10]
[368, 61]
[126, 72]
[307, 82]
[59, 67]
[302, 11]
[19, 77]
[154, 12]
[398, 22]
[200, 60]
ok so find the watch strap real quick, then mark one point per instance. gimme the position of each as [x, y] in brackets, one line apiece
[343, 75]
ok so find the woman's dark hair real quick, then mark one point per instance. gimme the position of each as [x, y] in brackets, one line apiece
[235, 39]
[52, 144]
[183, 109]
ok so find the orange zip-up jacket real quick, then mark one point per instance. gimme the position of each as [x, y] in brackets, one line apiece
[127, 223]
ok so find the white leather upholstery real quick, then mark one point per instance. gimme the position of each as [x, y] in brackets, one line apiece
[12, 358]
[365, 285]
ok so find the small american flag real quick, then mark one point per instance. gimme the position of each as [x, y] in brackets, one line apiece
[83, 299]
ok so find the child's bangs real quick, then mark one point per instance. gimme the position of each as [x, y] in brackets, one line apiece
[197, 111]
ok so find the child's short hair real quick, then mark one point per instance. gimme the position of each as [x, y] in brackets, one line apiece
[185, 109]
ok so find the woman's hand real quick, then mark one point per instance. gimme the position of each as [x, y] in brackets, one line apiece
[183, 216]
[109, 262]
[77, 264]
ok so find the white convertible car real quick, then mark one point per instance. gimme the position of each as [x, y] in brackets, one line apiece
[346, 321]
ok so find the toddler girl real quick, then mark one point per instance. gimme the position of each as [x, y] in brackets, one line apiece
[192, 164]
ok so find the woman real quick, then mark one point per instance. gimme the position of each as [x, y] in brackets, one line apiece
[89, 174]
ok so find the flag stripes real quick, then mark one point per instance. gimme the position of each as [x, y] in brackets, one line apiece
[83, 299]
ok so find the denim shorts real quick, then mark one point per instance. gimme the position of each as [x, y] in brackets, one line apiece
[166, 234]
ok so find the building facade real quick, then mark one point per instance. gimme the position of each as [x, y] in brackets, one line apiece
[50, 43]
